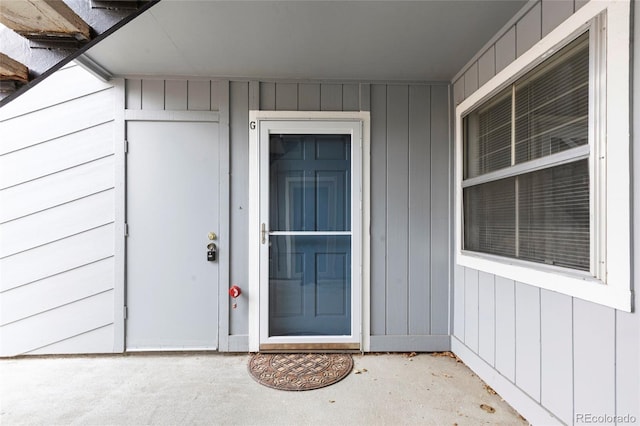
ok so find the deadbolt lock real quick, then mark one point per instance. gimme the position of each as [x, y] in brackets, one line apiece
[212, 252]
[212, 236]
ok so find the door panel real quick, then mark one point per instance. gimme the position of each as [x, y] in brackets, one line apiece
[172, 204]
[308, 192]
[310, 286]
[310, 244]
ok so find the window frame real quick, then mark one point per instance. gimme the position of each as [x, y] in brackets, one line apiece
[609, 280]
[541, 163]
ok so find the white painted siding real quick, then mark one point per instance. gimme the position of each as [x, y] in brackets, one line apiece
[554, 356]
[57, 217]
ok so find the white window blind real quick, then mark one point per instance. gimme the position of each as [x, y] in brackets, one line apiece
[553, 208]
[552, 105]
[526, 171]
[489, 136]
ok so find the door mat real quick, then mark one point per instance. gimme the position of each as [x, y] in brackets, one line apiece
[299, 372]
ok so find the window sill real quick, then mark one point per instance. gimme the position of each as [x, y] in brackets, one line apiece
[572, 283]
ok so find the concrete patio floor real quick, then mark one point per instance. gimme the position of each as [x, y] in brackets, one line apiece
[182, 389]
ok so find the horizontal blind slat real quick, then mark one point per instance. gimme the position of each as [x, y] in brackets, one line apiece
[553, 216]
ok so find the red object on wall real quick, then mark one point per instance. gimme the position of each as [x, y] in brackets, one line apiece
[235, 291]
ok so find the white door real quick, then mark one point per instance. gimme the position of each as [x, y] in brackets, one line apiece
[172, 206]
[310, 287]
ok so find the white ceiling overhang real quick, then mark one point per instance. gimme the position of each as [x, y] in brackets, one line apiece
[345, 40]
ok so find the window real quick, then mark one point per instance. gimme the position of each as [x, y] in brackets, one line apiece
[542, 166]
[526, 175]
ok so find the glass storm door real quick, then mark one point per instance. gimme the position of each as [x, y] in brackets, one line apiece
[308, 234]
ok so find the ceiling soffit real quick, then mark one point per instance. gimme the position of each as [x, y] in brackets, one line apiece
[358, 40]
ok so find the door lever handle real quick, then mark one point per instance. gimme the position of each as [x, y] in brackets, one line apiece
[264, 233]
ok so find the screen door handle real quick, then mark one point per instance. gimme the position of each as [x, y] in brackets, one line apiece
[264, 233]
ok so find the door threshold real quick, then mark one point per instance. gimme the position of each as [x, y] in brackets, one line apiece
[310, 347]
[171, 350]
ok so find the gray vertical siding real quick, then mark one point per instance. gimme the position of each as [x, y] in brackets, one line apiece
[528, 29]
[505, 49]
[409, 270]
[487, 65]
[440, 161]
[378, 207]
[176, 95]
[397, 288]
[486, 316]
[57, 218]
[351, 97]
[505, 325]
[594, 388]
[419, 194]
[309, 97]
[471, 309]
[527, 342]
[409, 217]
[293, 96]
[172, 95]
[557, 356]
[239, 205]
[471, 80]
[286, 97]
[331, 97]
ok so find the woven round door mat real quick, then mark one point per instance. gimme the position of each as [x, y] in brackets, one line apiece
[299, 372]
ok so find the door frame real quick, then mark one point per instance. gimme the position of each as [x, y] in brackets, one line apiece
[258, 120]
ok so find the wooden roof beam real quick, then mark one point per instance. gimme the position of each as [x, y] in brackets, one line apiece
[38, 19]
[12, 70]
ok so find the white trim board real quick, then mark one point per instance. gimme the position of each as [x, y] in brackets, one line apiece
[120, 256]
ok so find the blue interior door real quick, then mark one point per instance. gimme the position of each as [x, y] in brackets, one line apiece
[310, 235]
